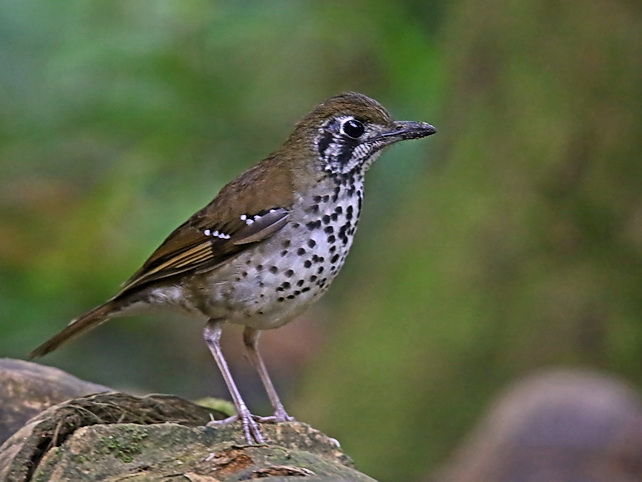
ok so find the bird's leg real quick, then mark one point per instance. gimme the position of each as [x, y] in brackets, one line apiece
[212, 335]
[251, 340]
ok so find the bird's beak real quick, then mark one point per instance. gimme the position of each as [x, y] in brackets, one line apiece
[403, 130]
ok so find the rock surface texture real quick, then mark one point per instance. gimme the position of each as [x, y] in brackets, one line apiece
[115, 436]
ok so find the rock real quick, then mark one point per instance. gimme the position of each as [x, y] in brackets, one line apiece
[563, 425]
[113, 436]
[29, 388]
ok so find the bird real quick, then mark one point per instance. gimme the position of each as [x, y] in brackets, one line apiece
[269, 244]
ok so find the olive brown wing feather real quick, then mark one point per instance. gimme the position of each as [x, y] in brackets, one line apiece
[201, 244]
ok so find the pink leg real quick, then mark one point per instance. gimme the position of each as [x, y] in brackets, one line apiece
[251, 340]
[212, 335]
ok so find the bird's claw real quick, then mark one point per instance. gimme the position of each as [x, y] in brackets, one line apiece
[278, 417]
[251, 429]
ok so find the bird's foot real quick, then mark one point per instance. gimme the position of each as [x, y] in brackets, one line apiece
[279, 416]
[251, 428]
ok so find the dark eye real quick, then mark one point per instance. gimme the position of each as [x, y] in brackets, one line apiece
[353, 128]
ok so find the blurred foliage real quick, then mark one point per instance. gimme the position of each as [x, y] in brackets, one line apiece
[518, 246]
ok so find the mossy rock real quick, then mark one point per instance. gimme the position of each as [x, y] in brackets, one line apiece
[115, 436]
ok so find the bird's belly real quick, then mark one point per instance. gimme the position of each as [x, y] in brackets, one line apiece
[267, 286]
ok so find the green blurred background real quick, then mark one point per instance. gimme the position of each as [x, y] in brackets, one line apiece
[508, 243]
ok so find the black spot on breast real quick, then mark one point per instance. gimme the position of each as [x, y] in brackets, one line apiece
[312, 243]
[300, 251]
[342, 233]
[284, 286]
[313, 225]
[289, 273]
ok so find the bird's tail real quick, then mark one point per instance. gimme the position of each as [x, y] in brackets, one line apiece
[77, 327]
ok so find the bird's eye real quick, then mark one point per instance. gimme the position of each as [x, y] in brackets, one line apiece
[353, 128]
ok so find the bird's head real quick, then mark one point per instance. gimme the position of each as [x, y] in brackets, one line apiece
[346, 133]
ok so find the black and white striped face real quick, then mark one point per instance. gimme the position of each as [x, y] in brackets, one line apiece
[347, 144]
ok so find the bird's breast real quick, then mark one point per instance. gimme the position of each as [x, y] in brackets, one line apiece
[272, 282]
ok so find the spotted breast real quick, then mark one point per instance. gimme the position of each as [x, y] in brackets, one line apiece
[264, 289]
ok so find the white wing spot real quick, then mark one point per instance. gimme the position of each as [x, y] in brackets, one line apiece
[216, 234]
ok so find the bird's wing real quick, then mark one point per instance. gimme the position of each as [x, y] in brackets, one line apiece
[203, 243]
